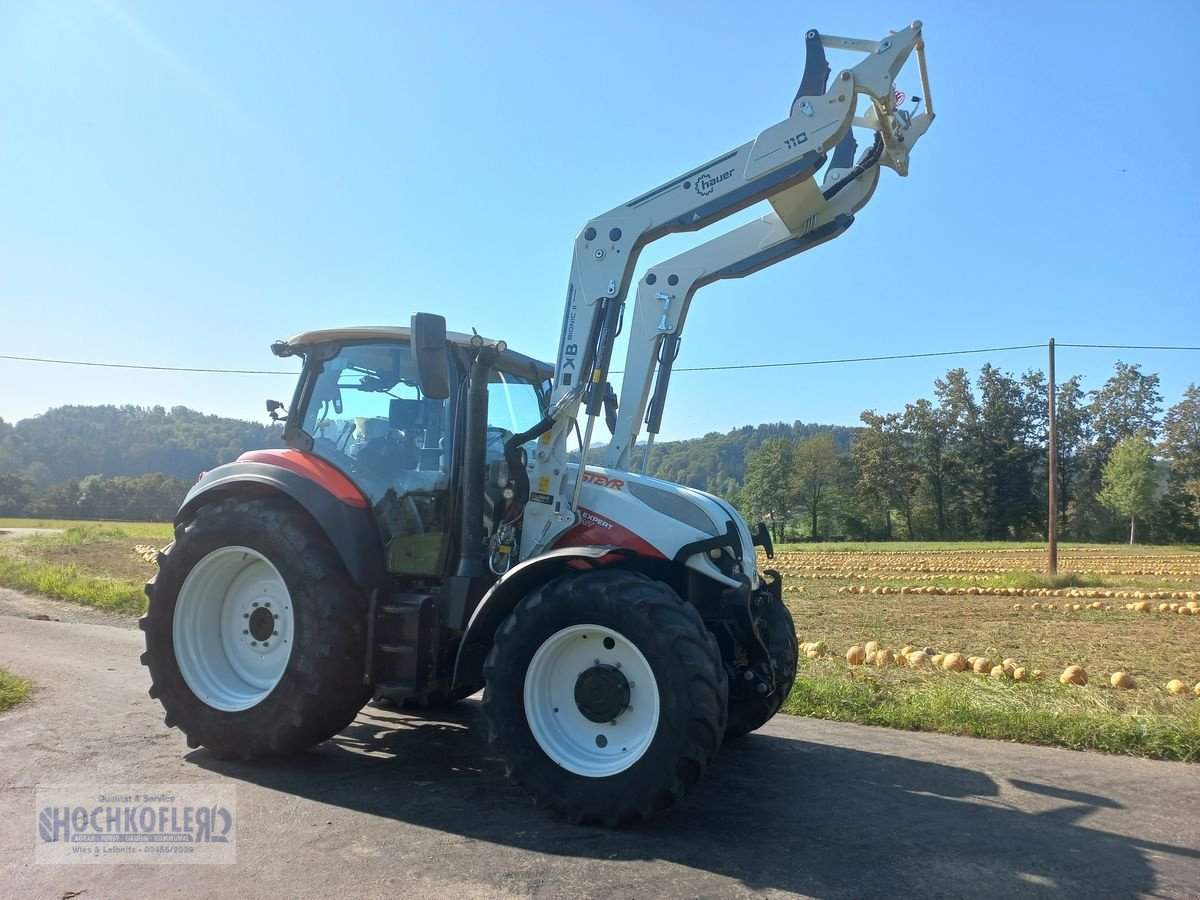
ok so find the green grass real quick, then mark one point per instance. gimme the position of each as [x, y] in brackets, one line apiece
[22, 569]
[1078, 718]
[12, 690]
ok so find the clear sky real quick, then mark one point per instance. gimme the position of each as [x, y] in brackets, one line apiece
[183, 182]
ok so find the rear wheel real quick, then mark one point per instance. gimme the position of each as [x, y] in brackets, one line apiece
[255, 634]
[778, 632]
[605, 695]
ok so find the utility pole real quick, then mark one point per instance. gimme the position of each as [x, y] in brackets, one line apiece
[1052, 449]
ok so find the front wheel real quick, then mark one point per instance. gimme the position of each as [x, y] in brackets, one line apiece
[778, 632]
[605, 695]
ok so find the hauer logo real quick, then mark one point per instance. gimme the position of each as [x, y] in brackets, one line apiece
[707, 183]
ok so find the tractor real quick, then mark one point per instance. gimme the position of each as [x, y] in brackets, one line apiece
[427, 533]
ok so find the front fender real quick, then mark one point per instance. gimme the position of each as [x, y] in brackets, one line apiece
[503, 597]
[336, 507]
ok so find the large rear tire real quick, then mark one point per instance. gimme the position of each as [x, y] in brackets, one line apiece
[255, 634]
[778, 632]
[605, 696]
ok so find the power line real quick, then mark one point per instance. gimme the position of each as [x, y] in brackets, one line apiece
[104, 365]
[855, 359]
[779, 365]
[1122, 346]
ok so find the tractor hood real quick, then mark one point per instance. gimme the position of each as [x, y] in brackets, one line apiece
[659, 518]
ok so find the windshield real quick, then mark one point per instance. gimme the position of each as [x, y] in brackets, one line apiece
[367, 416]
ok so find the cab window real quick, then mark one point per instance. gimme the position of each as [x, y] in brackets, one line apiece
[367, 417]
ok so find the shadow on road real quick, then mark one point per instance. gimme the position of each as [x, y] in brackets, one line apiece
[771, 813]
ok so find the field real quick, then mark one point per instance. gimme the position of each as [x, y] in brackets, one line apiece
[989, 600]
[981, 600]
[90, 563]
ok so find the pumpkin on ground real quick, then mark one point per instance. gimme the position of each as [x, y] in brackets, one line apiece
[856, 655]
[1074, 675]
[982, 666]
[954, 662]
[1175, 686]
[1121, 680]
[1020, 674]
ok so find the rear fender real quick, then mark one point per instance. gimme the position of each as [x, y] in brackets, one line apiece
[334, 504]
[503, 597]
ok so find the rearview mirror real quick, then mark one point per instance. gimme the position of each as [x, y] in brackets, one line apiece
[429, 351]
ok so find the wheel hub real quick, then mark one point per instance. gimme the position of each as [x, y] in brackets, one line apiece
[602, 693]
[262, 623]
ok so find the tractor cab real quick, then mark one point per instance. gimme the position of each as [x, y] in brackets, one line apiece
[363, 406]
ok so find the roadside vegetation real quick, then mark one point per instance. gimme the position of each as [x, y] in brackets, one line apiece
[12, 690]
[92, 564]
[915, 596]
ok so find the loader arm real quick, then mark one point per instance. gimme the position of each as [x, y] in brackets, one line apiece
[778, 165]
[665, 291]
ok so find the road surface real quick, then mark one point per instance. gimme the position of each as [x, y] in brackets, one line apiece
[397, 805]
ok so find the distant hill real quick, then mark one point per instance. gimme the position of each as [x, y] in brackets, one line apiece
[71, 442]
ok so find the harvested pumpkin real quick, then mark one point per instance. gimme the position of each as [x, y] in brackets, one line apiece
[982, 665]
[1175, 686]
[1074, 675]
[1020, 673]
[954, 662]
[1121, 680]
[871, 649]
[856, 655]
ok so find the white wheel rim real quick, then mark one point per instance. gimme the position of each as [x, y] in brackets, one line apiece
[228, 603]
[576, 743]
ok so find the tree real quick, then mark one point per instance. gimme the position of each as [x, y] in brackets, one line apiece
[1074, 427]
[816, 470]
[929, 435]
[1181, 444]
[1001, 454]
[1129, 403]
[1129, 480]
[768, 492]
[15, 494]
[959, 415]
[887, 477]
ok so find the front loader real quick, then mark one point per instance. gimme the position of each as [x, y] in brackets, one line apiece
[426, 535]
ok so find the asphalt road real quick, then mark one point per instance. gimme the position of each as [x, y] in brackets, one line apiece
[397, 805]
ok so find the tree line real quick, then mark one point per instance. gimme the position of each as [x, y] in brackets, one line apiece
[972, 464]
[116, 462]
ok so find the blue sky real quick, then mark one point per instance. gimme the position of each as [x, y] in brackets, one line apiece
[182, 183]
